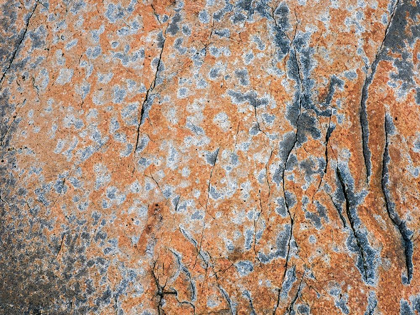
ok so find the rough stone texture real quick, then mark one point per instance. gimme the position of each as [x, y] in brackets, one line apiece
[248, 157]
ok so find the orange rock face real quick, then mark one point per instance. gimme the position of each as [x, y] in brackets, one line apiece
[210, 157]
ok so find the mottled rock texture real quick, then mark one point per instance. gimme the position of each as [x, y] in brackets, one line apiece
[210, 157]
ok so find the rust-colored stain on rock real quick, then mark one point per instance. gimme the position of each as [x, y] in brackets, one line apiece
[210, 157]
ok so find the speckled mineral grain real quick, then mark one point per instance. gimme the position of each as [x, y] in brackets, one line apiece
[210, 157]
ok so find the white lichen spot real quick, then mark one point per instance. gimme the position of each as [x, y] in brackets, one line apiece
[64, 76]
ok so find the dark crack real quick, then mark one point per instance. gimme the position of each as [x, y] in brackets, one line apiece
[161, 292]
[328, 100]
[4, 136]
[148, 99]
[22, 38]
[327, 139]
[340, 214]
[352, 223]
[231, 304]
[267, 178]
[286, 264]
[214, 161]
[200, 253]
[258, 123]
[251, 304]
[328, 134]
[293, 302]
[227, 298]
[183, 268]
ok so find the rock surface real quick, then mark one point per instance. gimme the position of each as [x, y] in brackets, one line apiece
[197, 157]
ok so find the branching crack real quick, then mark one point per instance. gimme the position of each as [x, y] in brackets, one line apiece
[392, 214]
[299, 82]
[286, 202]
[364, 123]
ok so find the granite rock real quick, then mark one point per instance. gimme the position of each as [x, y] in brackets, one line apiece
[210, 157]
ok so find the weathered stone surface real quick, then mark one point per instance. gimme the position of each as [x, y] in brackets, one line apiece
[196, 157]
